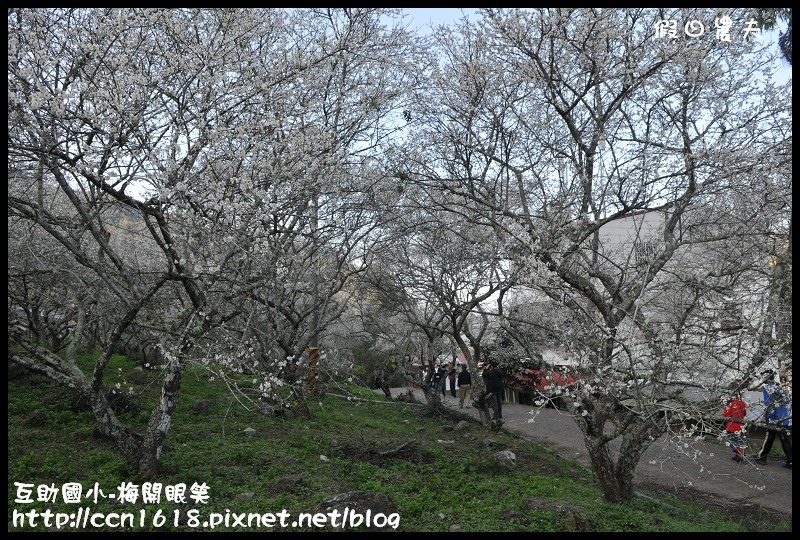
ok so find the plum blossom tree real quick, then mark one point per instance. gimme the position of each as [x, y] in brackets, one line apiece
[235, 141]
[320, 198]
[623, 164]
[444, 275]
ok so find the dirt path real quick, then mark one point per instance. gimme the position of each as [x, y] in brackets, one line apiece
[678, 465]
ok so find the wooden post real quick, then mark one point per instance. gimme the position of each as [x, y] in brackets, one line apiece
[312, 370]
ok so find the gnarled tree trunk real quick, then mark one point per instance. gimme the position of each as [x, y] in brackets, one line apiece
[149, 455]
[637, 432]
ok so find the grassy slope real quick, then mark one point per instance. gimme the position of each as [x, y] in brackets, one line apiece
[436, 484]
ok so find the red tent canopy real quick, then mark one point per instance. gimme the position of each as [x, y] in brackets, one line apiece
[534, 380]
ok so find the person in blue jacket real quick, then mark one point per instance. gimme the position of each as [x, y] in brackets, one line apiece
[778, 412]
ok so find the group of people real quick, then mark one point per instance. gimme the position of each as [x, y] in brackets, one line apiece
[460, 383]
[777, 405]
[777, 414]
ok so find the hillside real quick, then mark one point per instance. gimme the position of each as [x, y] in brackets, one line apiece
[436, 475]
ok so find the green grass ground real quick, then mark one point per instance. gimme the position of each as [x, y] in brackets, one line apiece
[434, 484]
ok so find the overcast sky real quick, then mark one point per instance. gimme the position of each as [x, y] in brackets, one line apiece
[424, 18]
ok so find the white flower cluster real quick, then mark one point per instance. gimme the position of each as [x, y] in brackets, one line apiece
[269, 386]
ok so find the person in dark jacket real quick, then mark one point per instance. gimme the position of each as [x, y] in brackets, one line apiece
[437, 375]
[493, 379]
[464, 384]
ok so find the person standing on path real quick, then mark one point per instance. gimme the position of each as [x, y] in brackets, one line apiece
[464, 384]
[493, 380]
[778, 412]
[736, 411]
[451, 380]
[438, 372]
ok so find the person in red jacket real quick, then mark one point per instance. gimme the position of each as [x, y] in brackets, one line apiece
[735, 410]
